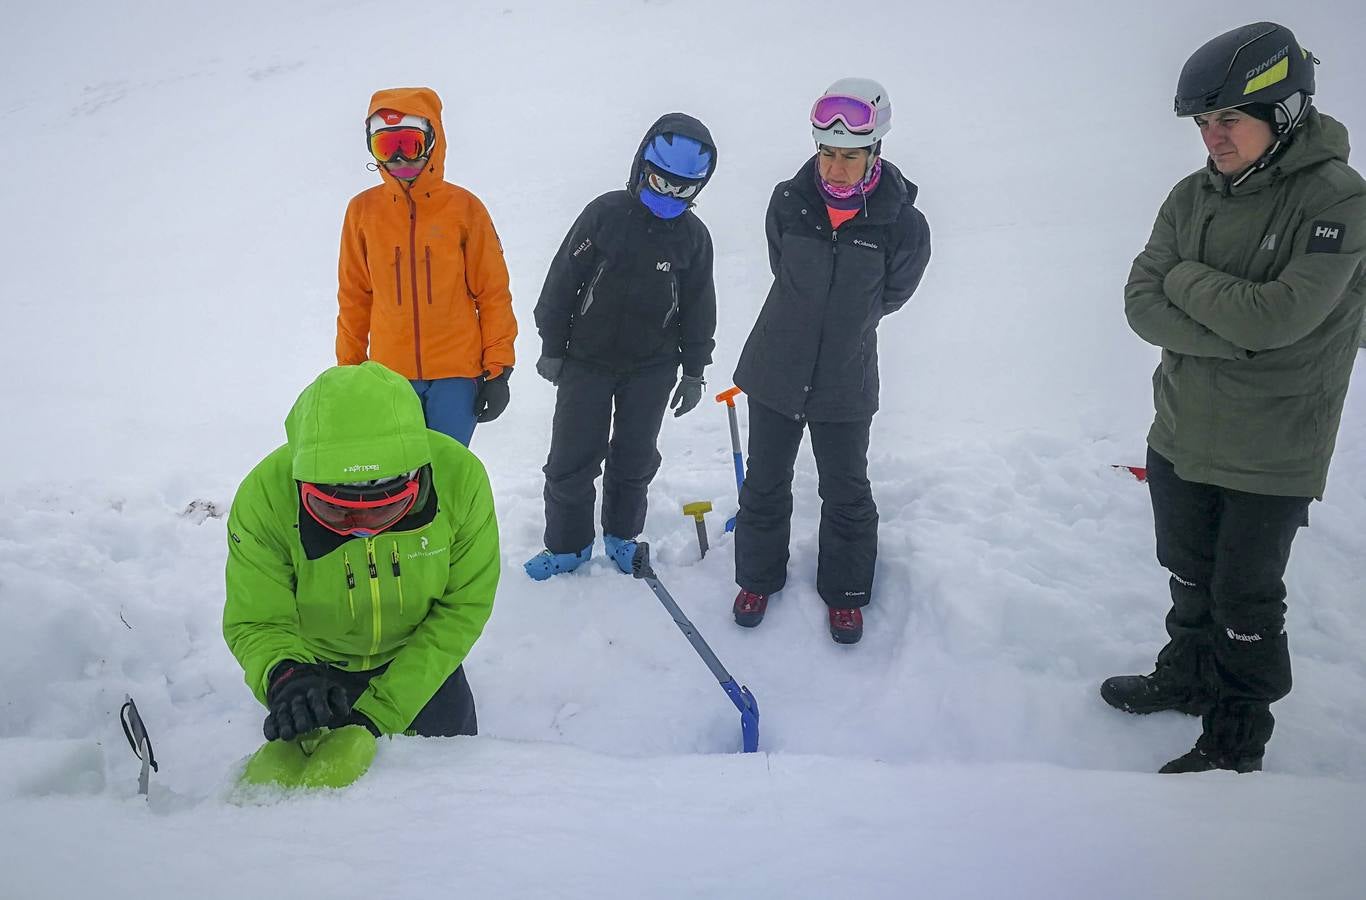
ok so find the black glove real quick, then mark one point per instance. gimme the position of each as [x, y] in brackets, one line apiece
[548, 367]
[687, 395]
[492, 397]
[301, 698]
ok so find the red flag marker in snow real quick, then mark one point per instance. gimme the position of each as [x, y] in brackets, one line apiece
[1139, 472]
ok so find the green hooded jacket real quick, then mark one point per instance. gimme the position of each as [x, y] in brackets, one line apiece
[1255, 294]
[415, 598]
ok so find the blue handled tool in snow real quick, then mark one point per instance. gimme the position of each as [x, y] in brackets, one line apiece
[728, 397]
[739, 694]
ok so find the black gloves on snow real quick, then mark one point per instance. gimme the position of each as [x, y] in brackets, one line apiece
[492, 397]
[687, 395]
[303, 697]
[549, 368]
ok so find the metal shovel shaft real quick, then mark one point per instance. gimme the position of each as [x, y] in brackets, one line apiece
[739, 694]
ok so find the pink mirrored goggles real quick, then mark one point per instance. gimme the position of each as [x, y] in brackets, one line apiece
[859, 116]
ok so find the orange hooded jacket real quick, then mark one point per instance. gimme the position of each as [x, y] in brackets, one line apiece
[421, 282]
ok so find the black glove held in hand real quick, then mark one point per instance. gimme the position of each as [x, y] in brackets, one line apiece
[302, 697]
[492, 397]
[687, 395]
[548, 367]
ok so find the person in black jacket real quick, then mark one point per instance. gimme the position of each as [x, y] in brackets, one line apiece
[847, 246]
[628, 298]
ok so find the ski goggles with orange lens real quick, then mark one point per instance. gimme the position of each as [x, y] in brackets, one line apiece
[358, 515]
[859, 116]
[662, 182]
[389, 144]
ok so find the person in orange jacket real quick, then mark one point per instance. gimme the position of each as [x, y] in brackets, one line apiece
[421, 283]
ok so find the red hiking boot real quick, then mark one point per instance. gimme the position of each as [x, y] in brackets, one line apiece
[750, 608]
[846, 625]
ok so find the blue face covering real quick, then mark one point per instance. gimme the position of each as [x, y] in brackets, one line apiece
[662, 206]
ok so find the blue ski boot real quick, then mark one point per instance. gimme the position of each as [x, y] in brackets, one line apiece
[544, 564]
[622, 551]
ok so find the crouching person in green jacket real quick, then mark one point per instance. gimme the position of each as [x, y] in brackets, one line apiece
[362, 563]
[1253, 284]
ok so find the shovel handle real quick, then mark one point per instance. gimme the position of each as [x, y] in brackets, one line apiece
[728, 396]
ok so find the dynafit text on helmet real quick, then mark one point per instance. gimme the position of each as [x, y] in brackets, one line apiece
[628, 302]
[1251, 286]
[847, 247]
[1256, 71]
[422, 284]
[341, 605]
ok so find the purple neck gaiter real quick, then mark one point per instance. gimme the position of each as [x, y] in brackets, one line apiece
[850, 197]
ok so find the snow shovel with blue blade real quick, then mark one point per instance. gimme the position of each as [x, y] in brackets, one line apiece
[326, 758]
[738, 694]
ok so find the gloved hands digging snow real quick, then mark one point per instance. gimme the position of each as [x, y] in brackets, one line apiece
[303, 697]
[687, 395]
[492, 397]
[549, 368]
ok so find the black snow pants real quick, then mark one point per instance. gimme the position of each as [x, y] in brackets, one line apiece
[585, 432]
[448, 713]
[848, 529]
[1227, 552]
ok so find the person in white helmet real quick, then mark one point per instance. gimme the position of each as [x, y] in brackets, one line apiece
[847, 246]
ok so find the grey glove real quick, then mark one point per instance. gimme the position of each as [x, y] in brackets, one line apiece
[687, 395]
[549, 368]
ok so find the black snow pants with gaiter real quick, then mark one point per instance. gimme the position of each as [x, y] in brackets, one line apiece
[1227, 552]
[848, 530]
[600, 415]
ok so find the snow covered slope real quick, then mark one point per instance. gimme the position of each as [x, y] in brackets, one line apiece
[167, 273]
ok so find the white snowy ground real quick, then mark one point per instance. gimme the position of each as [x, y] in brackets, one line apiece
[177, 178]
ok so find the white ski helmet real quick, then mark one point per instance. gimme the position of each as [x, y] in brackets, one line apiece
[389, 118]
[830, 119]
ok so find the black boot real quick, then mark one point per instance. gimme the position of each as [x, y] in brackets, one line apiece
[1234, 738]
[1201, 760]
[1162, 690]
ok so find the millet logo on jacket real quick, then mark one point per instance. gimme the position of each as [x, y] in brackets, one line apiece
[663, 266]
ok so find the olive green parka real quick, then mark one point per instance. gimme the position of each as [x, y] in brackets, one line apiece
[1255, 294]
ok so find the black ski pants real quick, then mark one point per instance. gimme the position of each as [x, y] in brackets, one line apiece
[848, 529]
[448, 713]
[1227, 552]
[602, 415]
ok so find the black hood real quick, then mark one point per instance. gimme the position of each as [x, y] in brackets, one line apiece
[672, 123]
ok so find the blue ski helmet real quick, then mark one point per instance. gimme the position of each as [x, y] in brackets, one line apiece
[679, 155]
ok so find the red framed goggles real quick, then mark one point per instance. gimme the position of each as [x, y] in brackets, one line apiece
[329, 506]
[859, 116]
[389, 144]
